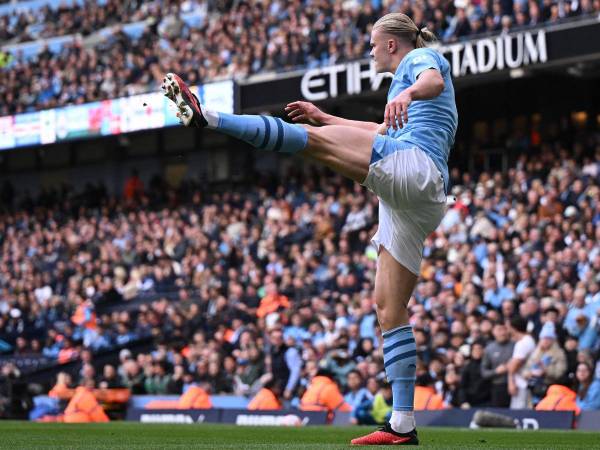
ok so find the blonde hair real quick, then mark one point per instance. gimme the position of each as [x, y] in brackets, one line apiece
[402, 26]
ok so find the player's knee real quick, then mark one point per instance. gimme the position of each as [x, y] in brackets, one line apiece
[383, 315]
[390, 316]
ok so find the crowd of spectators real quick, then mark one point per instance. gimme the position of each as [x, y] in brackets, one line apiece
[269, 285]
[227, 39]
[60, 19]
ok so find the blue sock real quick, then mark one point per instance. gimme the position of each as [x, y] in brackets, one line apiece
[400, 360]
[264, 132]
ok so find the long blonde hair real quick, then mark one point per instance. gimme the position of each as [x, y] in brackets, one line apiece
[402, 26]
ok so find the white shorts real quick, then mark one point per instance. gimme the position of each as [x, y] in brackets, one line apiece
[412, 199]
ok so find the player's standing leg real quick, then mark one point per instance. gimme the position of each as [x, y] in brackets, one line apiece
[394, 284]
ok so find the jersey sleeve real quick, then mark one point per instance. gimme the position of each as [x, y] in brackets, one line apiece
[421, 60]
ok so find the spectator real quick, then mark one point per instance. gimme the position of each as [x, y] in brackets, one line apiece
[285, 363]
[378, 410]
[547, 364]
[474, 388]
[588, 388]
[158, 380]
[176, 383]
[339, 363]
[133, 378]
[356, 393]
[494, 366]
[134, 188]
[272, 302]
[494, 295]
[552, 315]
[109, 379]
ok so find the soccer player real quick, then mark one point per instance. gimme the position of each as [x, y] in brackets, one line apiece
[403, 161]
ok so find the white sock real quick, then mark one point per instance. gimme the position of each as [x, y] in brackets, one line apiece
[212, 117]
[402, 421]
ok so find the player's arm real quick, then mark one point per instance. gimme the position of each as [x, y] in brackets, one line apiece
[428, 85]
[307, 112]
[514, 365]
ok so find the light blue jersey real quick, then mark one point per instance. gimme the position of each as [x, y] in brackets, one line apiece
[431, 123]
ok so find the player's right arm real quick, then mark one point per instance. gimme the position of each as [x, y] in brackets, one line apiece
[300, 111]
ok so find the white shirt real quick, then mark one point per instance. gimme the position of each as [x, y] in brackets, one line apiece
[523, 349]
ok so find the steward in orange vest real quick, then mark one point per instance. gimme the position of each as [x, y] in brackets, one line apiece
[84, 407]
[558, 398]
[427, 399]
[323, 394]
[195, 398]
[264, 400]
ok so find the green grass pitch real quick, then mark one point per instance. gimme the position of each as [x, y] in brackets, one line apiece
[127, 435]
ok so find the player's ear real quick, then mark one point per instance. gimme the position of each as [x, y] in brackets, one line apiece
[392, 45]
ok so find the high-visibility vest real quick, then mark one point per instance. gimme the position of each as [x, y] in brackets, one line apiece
[84, 407]
[195, 398]
[264, 400]
[271, 303]
[323, 395]
[79, 317]
[427, 399]
[558, 398]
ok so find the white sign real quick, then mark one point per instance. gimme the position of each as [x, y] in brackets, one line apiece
[509, 51]
[319, 84]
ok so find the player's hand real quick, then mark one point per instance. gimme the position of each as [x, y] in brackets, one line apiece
[396, 111]
[512, 389]
[382, 129]
[305, 112]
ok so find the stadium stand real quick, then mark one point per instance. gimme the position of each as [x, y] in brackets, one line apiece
[278, 280]
[57, 53]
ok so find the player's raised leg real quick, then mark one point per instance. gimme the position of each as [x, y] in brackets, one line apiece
[346, 150]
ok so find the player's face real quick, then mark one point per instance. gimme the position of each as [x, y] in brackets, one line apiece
[379, 51]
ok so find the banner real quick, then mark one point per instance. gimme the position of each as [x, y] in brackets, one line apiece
[109, 117]
[242, 417]
[526, 419]
[273, 418]
[463, 418]
[188, 416]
